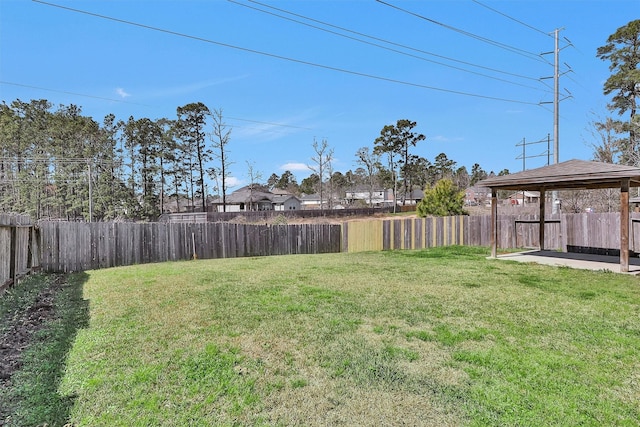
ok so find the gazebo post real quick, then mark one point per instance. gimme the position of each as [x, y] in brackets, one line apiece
[624, 226]
[543, 199]
[494, 223]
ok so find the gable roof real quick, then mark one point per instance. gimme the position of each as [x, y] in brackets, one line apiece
[572, 174]
[281, 198]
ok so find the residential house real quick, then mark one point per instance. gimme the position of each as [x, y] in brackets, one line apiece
[378, 197]
[257, 198]
[311, 201]
[475, 195]
[524, 198]
[414, 197]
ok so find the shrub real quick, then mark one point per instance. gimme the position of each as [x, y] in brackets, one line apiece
[441, 200]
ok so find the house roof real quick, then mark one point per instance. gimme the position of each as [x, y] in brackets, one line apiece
[310, 197]
[416, 194]
[280, 191]
[532, 194]
[572, 174]
[281, 198]
[478, 189]
[364, 189]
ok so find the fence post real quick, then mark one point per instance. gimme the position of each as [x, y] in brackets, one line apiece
[13, 259]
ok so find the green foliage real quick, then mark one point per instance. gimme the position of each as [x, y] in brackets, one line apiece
[442, 200]
[190, 129]
[309, 184]
[623, 52]
[396, 140]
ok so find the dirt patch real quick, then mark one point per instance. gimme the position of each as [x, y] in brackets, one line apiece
[20, 329]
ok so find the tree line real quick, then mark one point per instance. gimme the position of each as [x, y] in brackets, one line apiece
[59, 163]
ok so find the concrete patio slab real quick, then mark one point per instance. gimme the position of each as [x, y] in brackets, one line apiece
[573, 260]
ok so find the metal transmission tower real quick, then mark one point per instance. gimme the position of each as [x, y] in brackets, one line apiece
[556, 103]
[524, 156]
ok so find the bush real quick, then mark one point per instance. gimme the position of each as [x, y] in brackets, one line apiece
[441, 200]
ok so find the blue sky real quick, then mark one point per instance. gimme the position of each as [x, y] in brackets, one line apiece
[280, 83]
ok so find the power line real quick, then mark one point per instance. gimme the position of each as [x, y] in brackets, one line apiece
[268, 123]
[69, 93]
[501, 45]
[512, 18]
[387, 42]
[143, 105]
[386, 48]
[284, 58]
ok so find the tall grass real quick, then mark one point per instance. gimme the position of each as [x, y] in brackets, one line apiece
[437, 337]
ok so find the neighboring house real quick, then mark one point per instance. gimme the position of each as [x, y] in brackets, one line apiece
[415, 197]
[285, 202]
[476, 195]
[524, 198]
[183, 204]
[257, 198]
[310, 201]
[379, 197]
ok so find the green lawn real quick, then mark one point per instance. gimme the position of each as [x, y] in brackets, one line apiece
[436, 337]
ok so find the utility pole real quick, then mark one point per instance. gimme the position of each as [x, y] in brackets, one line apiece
[524, 155]
[556, 110]
[556, 100]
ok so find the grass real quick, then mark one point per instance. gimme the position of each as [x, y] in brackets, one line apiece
[434, 337]
[32, 398]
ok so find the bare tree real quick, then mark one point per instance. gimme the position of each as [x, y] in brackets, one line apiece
[220, 137]
[254, 178]
[322, 161]
[370, 163]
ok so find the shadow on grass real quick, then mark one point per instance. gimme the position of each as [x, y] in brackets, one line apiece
[47, 323]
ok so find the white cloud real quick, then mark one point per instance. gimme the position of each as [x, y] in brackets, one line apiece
[232, 181]
[294, 167]
[442, 138]
[122, 93]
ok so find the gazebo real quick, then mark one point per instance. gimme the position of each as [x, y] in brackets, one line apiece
[569, 175]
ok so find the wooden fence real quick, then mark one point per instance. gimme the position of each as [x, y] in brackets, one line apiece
[19, 248]
[69, 246]
[563, 232]
[408, 233]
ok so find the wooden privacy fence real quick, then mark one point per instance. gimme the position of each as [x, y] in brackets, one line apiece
[563, 232]
[408, 233]
[19, 248]
[70, 246]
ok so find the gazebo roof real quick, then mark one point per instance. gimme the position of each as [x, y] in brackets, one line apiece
[572, 174]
